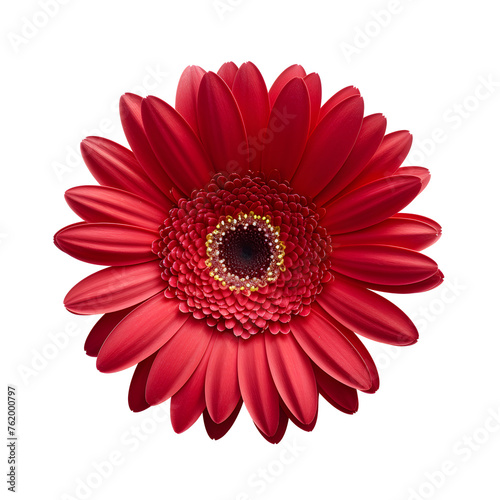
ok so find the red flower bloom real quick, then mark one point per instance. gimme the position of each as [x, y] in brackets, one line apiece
[245, 232]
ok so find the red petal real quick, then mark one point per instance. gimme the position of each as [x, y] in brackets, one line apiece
[227, 72]
[305, 427]
[105, 204]
[423, 173]
[257, 387]
[331, 350]
[250, 92]
[188, 403]
[137, 391]
[115, 166]
[102, 329]
[294, 71]
[175, 145]
[187, 95]
[419, 218]
[387, 159]
[221, 126]
[328, 147]
[395, 231]
[131, 117]
[217, 431]
[313, 82]
[222, 392]
[336, 99]
[369, 138]
[339, 395]
[386, 265]
[421, 286]
[371, 203]
[280, 432]
[115, 288]
[367, 313]
[107, 244]
[287, 130]
[140, 334]
[177, 360]
[360, 347]
[293, 376]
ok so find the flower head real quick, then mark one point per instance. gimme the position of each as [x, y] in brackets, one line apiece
[245, 232]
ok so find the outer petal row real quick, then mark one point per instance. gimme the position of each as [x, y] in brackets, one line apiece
[385, 265]
[105, 204]
[371, 203]
[115, 166]
[107, 243]
[115, 288]
[367, 313]
[328, 147]
[141, 333]
[400, 230]
[221, 126]
[188, 366]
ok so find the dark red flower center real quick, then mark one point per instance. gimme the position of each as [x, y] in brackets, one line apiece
[245, 252]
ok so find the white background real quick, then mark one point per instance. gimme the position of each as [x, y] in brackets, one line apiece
[422, 66]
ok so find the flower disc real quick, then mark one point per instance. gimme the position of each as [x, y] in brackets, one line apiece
[244, 253]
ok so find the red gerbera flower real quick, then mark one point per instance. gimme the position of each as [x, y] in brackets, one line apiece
[245, 232]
